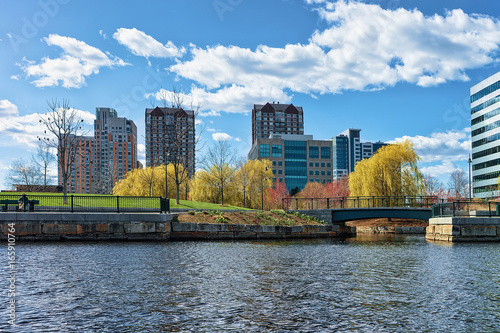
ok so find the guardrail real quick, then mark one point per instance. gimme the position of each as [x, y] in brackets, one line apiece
[84, 203]
[359, 202]
[466, 209]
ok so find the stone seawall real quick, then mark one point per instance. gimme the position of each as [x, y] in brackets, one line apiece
[464, 229]
[146, 227]
[390, 230]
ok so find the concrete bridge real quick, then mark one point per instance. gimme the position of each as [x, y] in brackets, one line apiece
[342, 215]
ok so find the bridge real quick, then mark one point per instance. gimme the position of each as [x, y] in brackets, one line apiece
[341, 209]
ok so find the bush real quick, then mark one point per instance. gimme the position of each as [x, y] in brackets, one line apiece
[191, 212]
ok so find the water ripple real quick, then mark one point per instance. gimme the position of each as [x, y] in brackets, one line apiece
[402, 284]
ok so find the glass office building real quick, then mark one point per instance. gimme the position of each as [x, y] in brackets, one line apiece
[485, 136]
[296, 159]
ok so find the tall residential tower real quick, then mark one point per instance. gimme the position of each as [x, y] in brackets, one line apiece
[276, 118]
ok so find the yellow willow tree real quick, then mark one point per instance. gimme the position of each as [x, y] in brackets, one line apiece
[148, 182]
[252, 179]
[392, 171]
[206, 186]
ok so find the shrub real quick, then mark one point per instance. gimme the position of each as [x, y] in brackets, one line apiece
[191, 212]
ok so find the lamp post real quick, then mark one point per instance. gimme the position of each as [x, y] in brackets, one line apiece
[470, 187]
[262, 189]
[166, 175]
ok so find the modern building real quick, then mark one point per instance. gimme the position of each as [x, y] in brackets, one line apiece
[349, 150]
[340, 158]
[170, 137]
[103, 159]
[296, 159]
[485, 136]
[276, 118]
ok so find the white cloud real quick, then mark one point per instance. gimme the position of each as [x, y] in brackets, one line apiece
[221, 136]
[78, 61]
[443, 169]
[15, 77]
[365, 47]
[450, 146]
[104, 36]
[144, 45]
[24, 130]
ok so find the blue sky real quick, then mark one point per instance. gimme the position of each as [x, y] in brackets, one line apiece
[393, 68]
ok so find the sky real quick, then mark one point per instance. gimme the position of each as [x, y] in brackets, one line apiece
[396, 69]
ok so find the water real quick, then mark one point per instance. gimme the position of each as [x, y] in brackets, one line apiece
[401, 284]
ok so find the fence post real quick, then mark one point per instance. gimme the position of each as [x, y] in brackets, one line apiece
[117, 203]
[72, 203]
[296, 203]
[327, 203]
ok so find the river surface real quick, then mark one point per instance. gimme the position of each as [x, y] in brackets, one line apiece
[364, 284]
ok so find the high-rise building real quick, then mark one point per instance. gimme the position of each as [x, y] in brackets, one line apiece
[116, 140]
[276, 118]
[485, 136]
[349, 150]
[340, 156]
[170, 137]
[105, 158]
[296, 159]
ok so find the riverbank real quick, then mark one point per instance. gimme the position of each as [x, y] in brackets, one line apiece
[149, 227]
[389, 226]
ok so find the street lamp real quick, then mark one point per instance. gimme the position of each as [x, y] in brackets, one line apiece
[166, 175]
[470, 187]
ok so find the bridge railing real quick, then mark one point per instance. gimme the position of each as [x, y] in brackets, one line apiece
[83, 203]
[466, 209]
[359, 202]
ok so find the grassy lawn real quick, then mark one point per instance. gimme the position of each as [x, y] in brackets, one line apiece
[98, 200]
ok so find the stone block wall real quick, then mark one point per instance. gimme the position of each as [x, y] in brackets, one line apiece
[464, 229]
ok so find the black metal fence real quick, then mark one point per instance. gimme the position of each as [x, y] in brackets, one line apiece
[358, 202]
[83, 203]
[466, 208]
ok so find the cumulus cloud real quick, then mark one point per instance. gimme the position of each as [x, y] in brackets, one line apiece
[141, 153]
[364, 48]
[23, 130]
[449, 146]
[221, 136]
[78, 61]
[144, 45]
[443, 169]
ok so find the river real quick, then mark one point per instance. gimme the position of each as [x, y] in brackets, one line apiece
[364, 284]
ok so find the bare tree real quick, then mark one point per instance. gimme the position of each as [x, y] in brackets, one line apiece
[219, 165]
[43, 159]
[179, 131]
[63, 127]
[24, 173]
[458, 184]
[432, 185]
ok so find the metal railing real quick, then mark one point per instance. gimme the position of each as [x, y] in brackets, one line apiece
[83, 203]
[466, 209]
[359, 202]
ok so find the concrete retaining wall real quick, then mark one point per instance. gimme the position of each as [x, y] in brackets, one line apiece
[464, 229]
[154, 227]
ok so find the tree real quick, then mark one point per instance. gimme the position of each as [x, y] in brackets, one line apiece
[144, 182]
[274, 195]
[392, 171]
[24, 173]
[338, 188]
[65, 126]
[458, 184]
[243, 177]
[312, 190]
[43, 159]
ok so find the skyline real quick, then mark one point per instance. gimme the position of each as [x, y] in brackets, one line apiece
[394, 69]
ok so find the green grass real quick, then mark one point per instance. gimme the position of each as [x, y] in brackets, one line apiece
[186, 204]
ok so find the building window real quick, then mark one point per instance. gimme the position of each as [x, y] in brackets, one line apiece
[325, 152]
[276, 150]
[313, 152]
[264, 150]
